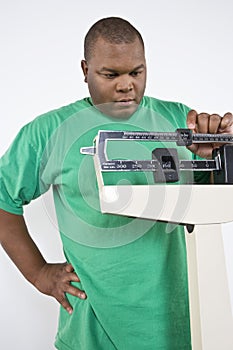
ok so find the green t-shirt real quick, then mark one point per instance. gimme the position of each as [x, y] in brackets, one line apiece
[132, 270]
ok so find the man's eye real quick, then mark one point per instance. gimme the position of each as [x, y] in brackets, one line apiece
[136, 73]
[110, 76]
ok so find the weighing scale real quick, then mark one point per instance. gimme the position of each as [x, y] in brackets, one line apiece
[203, 210]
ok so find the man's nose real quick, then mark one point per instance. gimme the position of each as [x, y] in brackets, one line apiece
[124, 84]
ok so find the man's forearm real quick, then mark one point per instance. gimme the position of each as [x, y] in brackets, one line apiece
[51, 279]
[17, 243]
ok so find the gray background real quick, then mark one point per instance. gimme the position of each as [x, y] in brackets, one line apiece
[189, 56]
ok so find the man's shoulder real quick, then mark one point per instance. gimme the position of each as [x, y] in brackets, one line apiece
[38, 131]
[161, 105]
[51, 120]
[59, 115]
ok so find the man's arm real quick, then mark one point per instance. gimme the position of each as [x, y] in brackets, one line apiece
[50, 279]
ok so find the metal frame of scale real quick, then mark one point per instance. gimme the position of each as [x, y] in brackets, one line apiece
[205, 208]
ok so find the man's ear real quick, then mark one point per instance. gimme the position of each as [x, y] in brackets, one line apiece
[84, 69]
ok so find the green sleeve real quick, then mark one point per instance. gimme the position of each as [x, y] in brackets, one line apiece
[19, 174]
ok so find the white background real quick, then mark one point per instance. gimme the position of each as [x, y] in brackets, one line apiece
[189, 55]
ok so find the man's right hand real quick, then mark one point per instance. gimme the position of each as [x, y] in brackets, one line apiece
[55, 279]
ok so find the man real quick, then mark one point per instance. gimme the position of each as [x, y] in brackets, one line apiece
[124, 284]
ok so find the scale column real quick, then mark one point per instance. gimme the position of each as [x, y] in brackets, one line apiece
[210, 306]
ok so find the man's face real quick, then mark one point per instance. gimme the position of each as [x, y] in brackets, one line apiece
[116, 77]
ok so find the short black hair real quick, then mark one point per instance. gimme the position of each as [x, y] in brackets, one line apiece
[114, 30]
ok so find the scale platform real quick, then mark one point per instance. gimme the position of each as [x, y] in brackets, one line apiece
[201, 208]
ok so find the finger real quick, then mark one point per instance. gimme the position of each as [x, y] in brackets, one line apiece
[214, 123]
[191, 119]
[76, 292]
[202, 123]
[193, 148]
[68, 267]
[71, 277]
[226, 123]
[64, 303]
[71, 274]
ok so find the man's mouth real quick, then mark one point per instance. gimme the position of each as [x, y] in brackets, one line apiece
[119, 108]
[125, 102]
